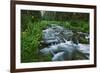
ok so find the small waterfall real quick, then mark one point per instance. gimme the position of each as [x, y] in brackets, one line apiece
[58, 57]
[51, 51]
[61, 48]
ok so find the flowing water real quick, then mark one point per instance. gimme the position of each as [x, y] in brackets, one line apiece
[61, 45]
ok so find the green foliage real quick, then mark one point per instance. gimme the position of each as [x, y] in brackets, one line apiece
[25, 19]
[48, 57]
[32, 25]
[82, 26]
[82, 40]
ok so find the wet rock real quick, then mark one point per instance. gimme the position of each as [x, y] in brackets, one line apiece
[56, 34]
[63, 44]
[49, 36]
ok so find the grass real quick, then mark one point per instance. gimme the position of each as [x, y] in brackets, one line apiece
[31, 34]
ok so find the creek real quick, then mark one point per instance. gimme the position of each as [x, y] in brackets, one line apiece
[64, 44]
